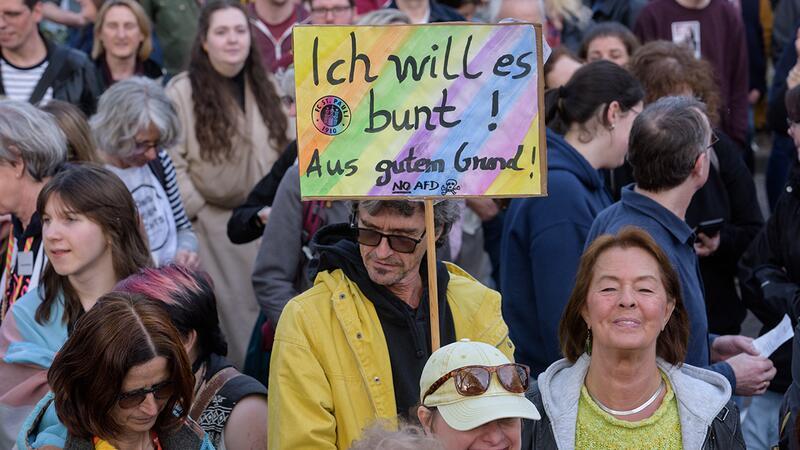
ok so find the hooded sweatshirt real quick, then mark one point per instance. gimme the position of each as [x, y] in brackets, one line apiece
[542, 243]
[406, 329]
[704, 404]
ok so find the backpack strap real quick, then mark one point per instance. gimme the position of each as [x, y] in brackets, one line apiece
[209, 390]
[54, 66]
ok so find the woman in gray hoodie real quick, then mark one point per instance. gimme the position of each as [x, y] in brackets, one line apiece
[624, 335]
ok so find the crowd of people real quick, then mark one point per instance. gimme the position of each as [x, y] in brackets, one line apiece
[164, 285]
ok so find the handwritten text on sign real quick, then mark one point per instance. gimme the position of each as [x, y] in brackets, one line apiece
[427, 110]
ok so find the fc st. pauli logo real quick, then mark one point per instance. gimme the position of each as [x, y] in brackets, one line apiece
[331, 115]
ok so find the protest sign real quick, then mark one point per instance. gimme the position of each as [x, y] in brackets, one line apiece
[420, 111]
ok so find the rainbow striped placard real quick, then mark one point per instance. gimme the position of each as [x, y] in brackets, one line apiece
[420, 111]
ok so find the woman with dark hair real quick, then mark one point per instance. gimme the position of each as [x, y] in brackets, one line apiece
[622, 383]
[229, 406]
[589, 120]
[560, 67]
[609, 40]
[90, 232]
[234, 129]
[122, 381]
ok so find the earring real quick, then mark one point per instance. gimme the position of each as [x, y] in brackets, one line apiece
[611, 127]
[588, 348]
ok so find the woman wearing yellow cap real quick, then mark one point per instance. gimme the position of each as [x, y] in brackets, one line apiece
[472, 396]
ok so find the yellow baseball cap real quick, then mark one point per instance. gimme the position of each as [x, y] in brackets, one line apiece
[467, 412]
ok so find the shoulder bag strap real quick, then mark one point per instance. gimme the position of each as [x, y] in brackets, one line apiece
[209, 390]
[53, 68]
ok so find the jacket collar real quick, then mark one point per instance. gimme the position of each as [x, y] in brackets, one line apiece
[701, 395]
[649, 207]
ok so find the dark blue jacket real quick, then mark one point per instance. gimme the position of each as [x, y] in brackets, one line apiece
[542, 243]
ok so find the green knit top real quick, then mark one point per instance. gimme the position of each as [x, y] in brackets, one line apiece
[596, 429]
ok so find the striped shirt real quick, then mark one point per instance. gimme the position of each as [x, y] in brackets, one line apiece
[173, 195]
[19, 83]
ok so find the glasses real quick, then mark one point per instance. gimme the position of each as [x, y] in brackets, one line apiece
[714, 140]
[471, 381]
[401, 244]
[336, 11]
[132, 399]
[143, 147]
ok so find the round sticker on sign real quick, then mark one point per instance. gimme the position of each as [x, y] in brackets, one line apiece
[331, 115]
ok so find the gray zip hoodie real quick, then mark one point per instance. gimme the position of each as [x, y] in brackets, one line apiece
[702, 395]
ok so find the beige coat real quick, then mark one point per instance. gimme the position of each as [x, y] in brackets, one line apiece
[210, 191]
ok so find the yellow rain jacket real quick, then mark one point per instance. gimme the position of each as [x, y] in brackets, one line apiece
[330, 375]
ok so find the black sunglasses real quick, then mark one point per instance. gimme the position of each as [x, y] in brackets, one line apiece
[131, 399]
[373, 238]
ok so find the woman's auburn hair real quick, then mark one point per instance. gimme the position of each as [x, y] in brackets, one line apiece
[665, 69]
[215, 107]
[573, 330]
[121, 331]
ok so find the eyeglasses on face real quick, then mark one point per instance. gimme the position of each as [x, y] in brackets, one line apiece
[336, 11]
[398, 243]
[714, 140]
[471, 381]
[132, 399]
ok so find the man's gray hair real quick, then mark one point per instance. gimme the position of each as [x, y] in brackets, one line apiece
[494, 7]
[128, 107]
[445, 212]
[34, 136]
[383, 16]
[666, 140]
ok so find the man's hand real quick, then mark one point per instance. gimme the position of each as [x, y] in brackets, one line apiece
[753, 373]
[706, 246]
[725, 347]
[187, 259]
[263, 215]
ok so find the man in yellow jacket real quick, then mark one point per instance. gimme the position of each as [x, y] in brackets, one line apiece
[351, 349]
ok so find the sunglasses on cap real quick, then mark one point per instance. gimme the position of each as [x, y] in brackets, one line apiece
[132, 399]
[398, 243]
[471, 381]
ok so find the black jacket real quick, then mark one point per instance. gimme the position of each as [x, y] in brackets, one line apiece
[72, 76]
[729, 194]
[147, 68]
[769, 275]
[244, 224]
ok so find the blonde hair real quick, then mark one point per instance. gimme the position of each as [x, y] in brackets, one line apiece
[380, 436]
[568, 9]
[145, 27]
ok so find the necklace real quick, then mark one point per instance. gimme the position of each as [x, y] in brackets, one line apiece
[633, 411]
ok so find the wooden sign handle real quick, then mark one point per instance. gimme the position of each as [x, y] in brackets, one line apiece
[433, 293]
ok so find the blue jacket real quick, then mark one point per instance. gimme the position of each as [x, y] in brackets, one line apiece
[542, 243]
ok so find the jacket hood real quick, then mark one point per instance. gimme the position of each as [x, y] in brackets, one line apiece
[335, 247]
[561, 156]
[701, 395]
